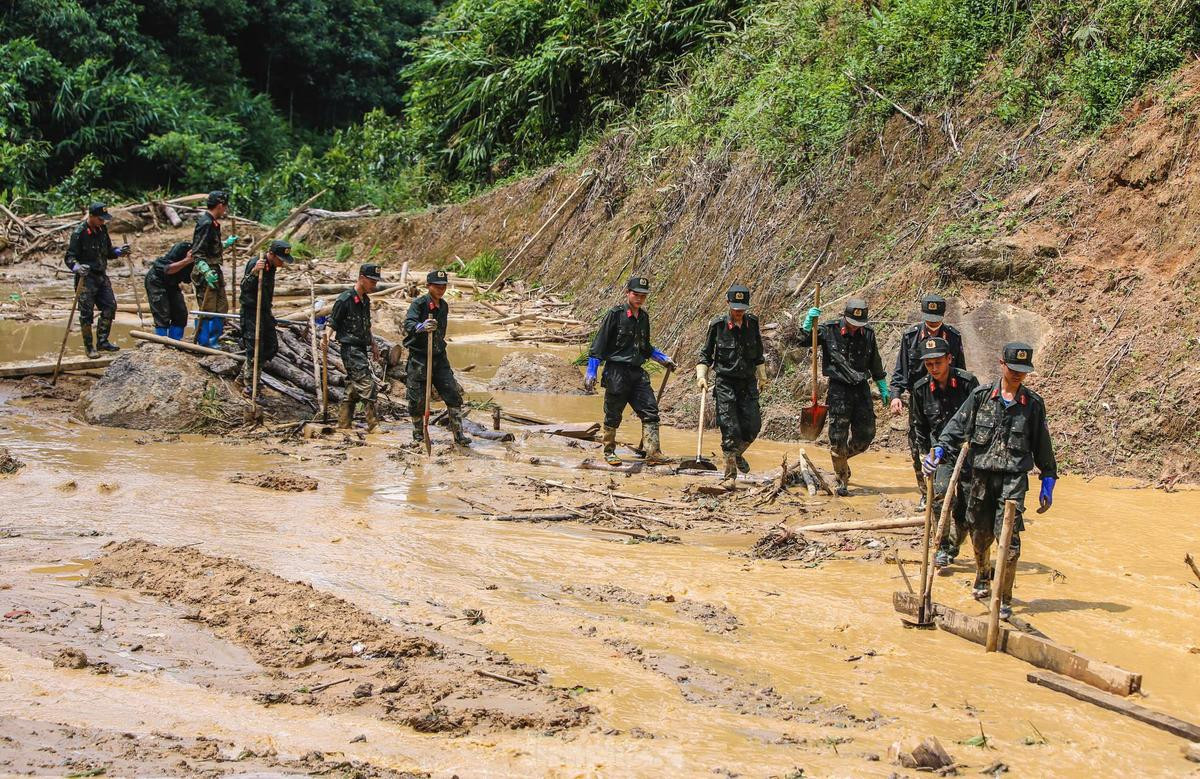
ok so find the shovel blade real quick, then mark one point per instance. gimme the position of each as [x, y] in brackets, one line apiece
[699, 464]
[812, 422]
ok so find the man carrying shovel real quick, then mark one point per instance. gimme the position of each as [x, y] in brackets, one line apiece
[1005, 422]
[88, 253]
[427, 316]
[732, 361]
[935, 398]
[351, 323]
[623, 344]
[258, 320]
[850, 360]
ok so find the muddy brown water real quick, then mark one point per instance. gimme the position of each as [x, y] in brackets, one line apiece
[1102, 571]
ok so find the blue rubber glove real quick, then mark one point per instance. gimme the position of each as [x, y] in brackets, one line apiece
[121, 251]
[661, 358]
[428, 324]
[1046, 496]
[589, 380]
[813, 315]
[81, 269]
[884, 394]
[930, 462]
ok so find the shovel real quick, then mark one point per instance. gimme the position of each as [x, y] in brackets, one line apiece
[700, 463]
[812, 419]
[640, 450]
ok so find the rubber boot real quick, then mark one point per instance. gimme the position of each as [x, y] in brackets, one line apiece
[841, 469]
[983, 575]
[345, 415]
[88, 345]
[731, 468]
[609, 437]
[176, 332]
[214, 335]
[654, 455]
[418, 433]
[103, 328]
[161, 331]
[454, 420]
[1006, 586]
[742, 464]
[372, 416]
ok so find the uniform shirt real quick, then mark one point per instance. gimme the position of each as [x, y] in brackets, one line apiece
[206, 240]
[909, 365]
[622, 337]
[351, 318]
[419, 310]
[733, 351]
[249, 294]
[90, 246]
[933, 405]
[1012, 439]
[158, 269]
[847, 358]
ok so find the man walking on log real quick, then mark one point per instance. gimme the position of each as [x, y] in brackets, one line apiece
[88, 253]
[936, 396]
[208, 278]
[850, 360]
[351, 323]
[910, 367]
[732, 361]
[429, 314]
[167, 305]
[623, 344]
[278, 253]
[1006, 425]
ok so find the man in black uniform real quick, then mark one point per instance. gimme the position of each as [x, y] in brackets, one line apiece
[162, 290]
[429, 314]
[207, 276]
[87, 256]
[623, 343]
[351, 323]
[910, 367]
[935, 398]
[1006, 425]
[850, 360]
[732, 360]
[263, 267]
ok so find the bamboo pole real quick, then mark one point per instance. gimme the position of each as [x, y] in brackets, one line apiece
[67, 332]
[1010, 516]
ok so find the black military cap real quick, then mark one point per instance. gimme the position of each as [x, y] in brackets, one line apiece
[1018, 356]
[933, 308]
[100, 210]
[638, 284]
[738, 297]
[217, 196]
[856, 311]
[282, 250]
[934, 347]
[437, 277]
[371, 271]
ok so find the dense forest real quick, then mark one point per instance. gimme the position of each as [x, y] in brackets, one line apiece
[405, 102]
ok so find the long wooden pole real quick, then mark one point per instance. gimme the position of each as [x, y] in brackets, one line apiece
[67, 333]
[257, 332]
[1006, 532]
[700, 427]
[186, 346]
[137, 295]
[325, 378]
[922, 614]
[499, 282]
[815, 347]
[428, 387]
[312, 340]
[944, 519]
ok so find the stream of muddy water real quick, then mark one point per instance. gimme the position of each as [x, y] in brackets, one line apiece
[1102, 572]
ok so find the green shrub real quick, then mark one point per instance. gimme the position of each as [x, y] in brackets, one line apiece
[485, 266]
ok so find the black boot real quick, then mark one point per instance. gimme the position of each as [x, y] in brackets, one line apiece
[88, 346]
[103, 327]
[454, 418]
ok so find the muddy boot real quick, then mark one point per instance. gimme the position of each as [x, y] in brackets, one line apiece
[654, 455]
[982, 589]
[731, 469]
[372, 416]
[345, 415]
[418, 435]
[609, 437]
[1006, 586]
[103, 327]
[88, 346]
[841, 470]
[742, 464]
[454, 420]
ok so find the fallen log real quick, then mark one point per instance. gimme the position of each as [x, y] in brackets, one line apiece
[261, 242]
[47, 368]
[530, 517]
[487, 434]
[1034, 650]
[1104, 700]
[594, 465]
[866, 524]
[583, 431]
[186, 346]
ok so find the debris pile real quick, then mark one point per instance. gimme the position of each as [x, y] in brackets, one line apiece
[780, 543]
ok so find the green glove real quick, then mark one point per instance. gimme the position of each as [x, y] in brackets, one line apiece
[883, 390]
[230, 241]
[810, 320]
[211, 278]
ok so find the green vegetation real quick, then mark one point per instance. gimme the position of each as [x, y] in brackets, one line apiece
[384, 101]
[485, 266]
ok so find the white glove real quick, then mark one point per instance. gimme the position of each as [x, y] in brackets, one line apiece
[702, 377]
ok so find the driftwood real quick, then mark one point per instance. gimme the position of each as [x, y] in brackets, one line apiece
[867, 524]
[186, 346]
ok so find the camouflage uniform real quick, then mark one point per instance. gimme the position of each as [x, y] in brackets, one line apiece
[268, 339]
[733, 353]
[910, 369]
[93, 247]
[421, 309]
[208, 250]
[351, 322]
[167, 304]
[930, 408]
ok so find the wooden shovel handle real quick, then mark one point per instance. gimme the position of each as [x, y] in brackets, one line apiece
[700, 426]
[816, 304]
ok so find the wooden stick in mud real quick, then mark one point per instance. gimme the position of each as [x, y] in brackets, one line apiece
[807, 276]
[137, 295]
[325, 378]
[327, 685]
[258, 316]
[947, 503]
[866, 524]
[623, 495]
[503, 678]
[67, 332]
[923, 615]
[1010, 516]
[1187, 558]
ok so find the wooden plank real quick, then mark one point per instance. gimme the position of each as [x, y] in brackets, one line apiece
[586, 431]
[866, 524]
[1104, 700]
[47, 368]
[1034, 650]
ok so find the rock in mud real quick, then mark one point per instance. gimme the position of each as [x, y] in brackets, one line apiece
[281, 481]
[537, 372]
[1192, 752]
[920, 753]
[71, 658]
[8, 463]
